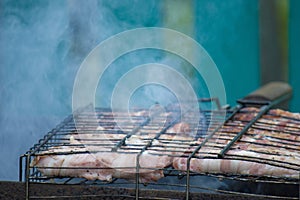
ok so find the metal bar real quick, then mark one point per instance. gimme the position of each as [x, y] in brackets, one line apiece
[27, 176]
[236, 109]
[263, 110]
[21, 167]
[140, 153]
[187, 190]
[148, 145]
[137, 177]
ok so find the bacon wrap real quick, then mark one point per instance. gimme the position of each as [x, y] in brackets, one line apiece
[236, 167]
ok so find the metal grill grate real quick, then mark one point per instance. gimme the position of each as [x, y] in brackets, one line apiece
[211, 140]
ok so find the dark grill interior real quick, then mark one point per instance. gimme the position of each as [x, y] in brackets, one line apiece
[210, 140]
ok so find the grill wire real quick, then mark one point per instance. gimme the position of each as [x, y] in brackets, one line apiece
[209, 143]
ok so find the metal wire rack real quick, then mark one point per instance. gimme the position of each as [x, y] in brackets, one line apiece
[214, 136]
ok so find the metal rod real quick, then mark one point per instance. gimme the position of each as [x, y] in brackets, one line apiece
[142, 150]
[27, 176]
[187, 191]
[21, 167]
[137, 177]
[236, 109]
[264, 109]
[150, 143]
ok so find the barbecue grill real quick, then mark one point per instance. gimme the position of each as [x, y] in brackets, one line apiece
[211, 140]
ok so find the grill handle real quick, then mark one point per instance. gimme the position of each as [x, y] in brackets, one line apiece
[273, 92]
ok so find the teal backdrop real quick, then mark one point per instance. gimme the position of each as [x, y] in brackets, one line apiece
[228, 30]
[43, 42]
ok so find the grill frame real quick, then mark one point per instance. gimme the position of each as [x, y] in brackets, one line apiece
[51, 136]
[264, 106]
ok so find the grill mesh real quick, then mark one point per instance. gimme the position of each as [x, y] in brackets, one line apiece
[280, 136]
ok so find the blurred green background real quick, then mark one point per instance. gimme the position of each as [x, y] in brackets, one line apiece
[43, 42]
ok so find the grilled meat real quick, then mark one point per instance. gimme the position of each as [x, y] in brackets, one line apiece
[94, 158]
[269, 148]
[82, 165]
[233, 167]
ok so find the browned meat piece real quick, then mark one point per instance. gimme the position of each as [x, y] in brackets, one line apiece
[103, 163]
[269, 148]
[225, 166]
[84, 165]
[101, 166]
[282, 113]
[244, 116]
[274, 139]
[180, 128]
